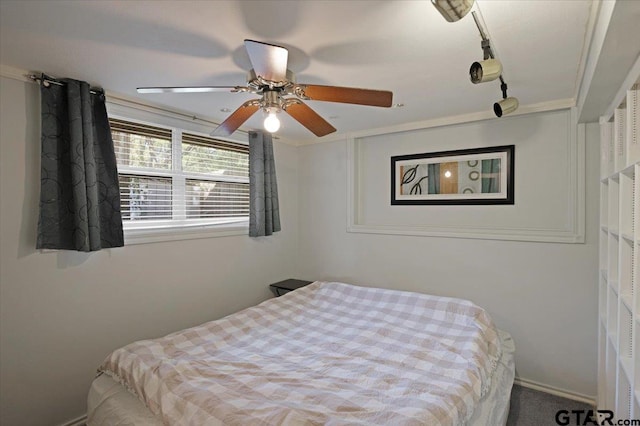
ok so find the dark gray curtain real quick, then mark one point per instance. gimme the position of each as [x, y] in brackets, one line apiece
[79, 193]
[264, 213]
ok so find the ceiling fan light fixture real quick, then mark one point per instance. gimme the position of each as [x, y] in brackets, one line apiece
[270, 78]
[271, 122]
[453, 10]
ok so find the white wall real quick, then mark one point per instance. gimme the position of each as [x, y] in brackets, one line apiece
[63, 312]
[544, 294]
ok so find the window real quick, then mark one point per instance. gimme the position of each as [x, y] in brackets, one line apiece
[171, 178]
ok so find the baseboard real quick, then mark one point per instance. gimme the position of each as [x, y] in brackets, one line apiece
[555, 391]
[80, 421]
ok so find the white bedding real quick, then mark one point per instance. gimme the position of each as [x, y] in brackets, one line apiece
[393, 339]
[110, 404]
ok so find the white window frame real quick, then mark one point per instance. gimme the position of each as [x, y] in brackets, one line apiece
[149, 231]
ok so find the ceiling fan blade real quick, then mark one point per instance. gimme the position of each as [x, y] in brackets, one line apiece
[309, 119]
[235, 120]
[200, 89]
[347, 95]
[268, 60]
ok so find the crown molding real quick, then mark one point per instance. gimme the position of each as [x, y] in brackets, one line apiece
[14, 73]
[447, 121]
[586, 49]
[598, 24]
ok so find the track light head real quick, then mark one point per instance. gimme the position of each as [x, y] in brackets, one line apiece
[453, 10]
[505, 106]
[483, 71]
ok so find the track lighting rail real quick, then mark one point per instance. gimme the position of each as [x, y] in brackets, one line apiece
[488, 53]
[482, 71]
[487, 70]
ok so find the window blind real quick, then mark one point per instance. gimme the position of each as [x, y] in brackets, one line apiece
[209, 185]
[207, 155]
[138, 145]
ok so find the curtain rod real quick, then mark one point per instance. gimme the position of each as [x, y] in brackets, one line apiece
[46, 81]
[127, 102]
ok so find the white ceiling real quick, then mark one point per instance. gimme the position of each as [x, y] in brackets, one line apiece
[402, 46]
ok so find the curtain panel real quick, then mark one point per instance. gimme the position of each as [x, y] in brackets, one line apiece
[264, 213]
[79, 191]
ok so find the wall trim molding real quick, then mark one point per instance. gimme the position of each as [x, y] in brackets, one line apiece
[13, 73]
[563, 393]
[573, 233]
[448, 121]
[506, 234]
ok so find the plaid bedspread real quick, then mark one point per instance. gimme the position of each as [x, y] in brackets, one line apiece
[328, 353]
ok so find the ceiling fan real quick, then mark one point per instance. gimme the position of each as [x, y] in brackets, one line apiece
[279, 91]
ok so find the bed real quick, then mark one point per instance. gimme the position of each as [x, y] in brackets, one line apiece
[328, 353]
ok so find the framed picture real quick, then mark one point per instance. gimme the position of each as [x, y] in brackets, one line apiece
[466, 176]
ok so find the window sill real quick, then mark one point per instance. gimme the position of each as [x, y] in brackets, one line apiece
[163, 234]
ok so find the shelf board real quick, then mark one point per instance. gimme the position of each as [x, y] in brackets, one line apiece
[628, 237]
[614, 232]
[614, 286]
[627, 301]
[613, 337]
[627, 366]
[605, 228]
[629, 170]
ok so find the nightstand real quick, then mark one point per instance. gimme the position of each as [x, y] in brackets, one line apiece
[286, 286]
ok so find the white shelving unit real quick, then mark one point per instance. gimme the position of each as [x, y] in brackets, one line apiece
[619, 290]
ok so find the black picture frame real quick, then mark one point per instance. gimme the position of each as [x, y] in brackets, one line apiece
[406, 185]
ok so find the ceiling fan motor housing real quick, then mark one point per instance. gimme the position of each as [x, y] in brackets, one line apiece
[259, 83]
[271, 99]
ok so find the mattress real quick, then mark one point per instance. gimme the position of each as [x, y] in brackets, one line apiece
[110, 403]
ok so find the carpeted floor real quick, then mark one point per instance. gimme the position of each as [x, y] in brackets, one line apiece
[534, 408]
